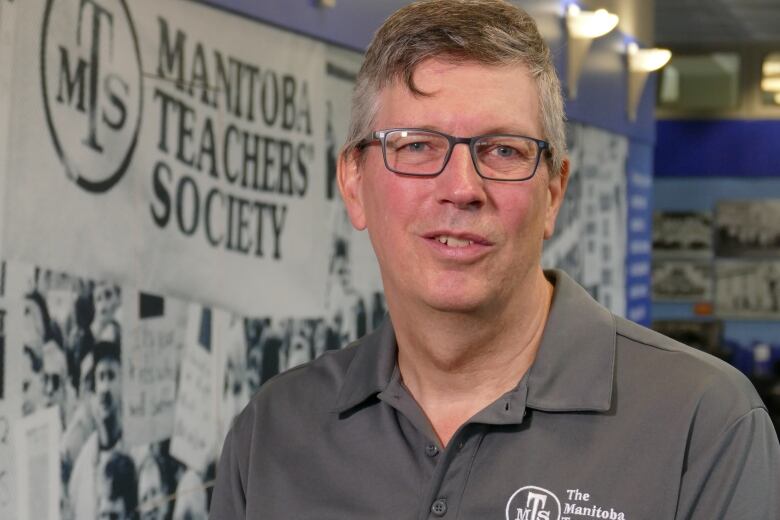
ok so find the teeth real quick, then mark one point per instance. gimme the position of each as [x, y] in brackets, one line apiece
[454, 242]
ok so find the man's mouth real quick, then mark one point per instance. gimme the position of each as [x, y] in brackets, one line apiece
[453, 241]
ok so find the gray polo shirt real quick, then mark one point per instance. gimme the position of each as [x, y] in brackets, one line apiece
[611, 421]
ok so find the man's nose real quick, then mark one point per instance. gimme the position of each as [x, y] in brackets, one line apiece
[460, 184]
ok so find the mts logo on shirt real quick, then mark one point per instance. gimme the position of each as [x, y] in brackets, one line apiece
[533, 503]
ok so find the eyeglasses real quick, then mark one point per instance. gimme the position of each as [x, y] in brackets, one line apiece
[425, 153]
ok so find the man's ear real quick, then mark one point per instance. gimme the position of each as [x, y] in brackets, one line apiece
[556, 190]
[350, 178]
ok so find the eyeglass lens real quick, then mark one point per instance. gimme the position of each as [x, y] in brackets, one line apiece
[415, 152]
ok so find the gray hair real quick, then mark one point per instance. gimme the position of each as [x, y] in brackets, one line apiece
[489, 32]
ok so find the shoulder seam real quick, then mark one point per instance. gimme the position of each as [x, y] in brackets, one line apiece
[659, 347]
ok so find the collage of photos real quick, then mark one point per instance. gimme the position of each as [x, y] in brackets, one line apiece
[729, 260]
[682, 273]
[726, 265]
[589, 242]
[117, 385]
[747, 244]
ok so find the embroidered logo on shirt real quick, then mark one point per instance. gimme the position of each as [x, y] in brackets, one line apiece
[536, 503]
[533, 503]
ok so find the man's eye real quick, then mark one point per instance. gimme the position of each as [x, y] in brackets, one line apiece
[505, 151]
[413, 146]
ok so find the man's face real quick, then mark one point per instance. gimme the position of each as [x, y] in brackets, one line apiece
[504, 223]
[108, 389]
[61, 301]
[53, 388]
[106, 301]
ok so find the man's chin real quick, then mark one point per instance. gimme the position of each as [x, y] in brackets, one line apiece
[459, 303]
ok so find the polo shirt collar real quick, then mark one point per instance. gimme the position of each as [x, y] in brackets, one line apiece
[573, 369]
[371, 369]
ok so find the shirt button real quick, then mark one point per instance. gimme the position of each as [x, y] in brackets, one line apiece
[439, 507]
[431, 450]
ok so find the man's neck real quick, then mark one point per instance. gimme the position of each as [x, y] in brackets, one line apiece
[456, 365]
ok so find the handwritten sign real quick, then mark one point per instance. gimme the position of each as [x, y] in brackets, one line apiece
[194, 430]
[150, 363]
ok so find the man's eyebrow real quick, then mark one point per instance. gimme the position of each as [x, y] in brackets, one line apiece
[500, 129]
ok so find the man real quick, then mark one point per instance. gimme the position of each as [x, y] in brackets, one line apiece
[55, 381]
[118, 494]
[106, 440]
[495, 390]
[107, 299]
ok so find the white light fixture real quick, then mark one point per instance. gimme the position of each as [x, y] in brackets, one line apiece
[771, 67]
[641, 62]
[582, 27]
[770, 84]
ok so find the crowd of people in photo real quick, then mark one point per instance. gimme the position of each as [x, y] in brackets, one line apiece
[72, 344]
[72, 338]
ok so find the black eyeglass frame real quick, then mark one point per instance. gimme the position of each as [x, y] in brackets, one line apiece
[381, 136]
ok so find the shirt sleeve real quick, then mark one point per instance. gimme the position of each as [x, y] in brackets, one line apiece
[737, 475]
[228, 502]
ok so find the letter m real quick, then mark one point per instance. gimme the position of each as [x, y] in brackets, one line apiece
[170, 64]
[523, 514]
[72, 84]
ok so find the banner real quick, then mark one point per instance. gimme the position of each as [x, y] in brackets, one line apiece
[172, 147]
[169, 205]
[590, 236]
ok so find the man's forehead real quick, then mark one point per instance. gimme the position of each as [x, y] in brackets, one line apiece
[504, 96]
[436, 66]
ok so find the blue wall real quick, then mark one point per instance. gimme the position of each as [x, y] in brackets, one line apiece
[718, 148]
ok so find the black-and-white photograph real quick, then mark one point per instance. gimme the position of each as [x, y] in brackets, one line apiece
[747, 228]
[747, 289]
[682, 234]
[590, 237]
[682, 280]
[706, 335]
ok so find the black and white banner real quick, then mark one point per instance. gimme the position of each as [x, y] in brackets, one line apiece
[170, 146]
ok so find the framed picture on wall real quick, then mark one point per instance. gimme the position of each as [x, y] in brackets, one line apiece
[682, 280]
[747, 289]
[682, 234]
[747, 228]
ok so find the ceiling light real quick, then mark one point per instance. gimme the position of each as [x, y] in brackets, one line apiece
[770, 84]
[647, 60]
[582, 27]
[641, 62]
[771, 68]
[589, 24]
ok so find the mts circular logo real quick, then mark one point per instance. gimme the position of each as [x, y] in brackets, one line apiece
[92, 88]
[533, 503]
